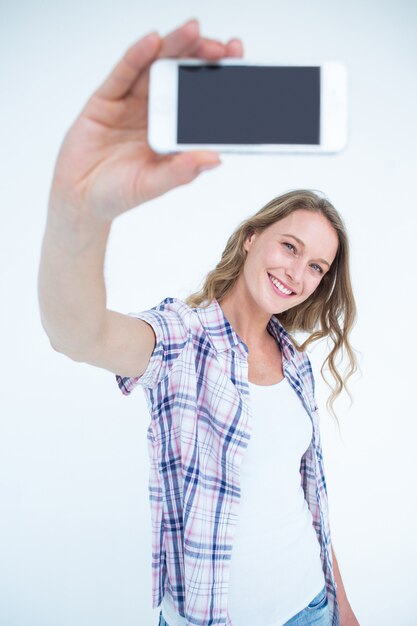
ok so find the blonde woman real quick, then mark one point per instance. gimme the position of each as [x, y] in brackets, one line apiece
[237, 487]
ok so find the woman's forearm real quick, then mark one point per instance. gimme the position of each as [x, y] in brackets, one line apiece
[347, 617]
[71, 287]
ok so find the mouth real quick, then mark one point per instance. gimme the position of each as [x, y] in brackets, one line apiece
[280, 287]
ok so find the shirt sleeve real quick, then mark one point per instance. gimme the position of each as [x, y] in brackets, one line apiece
[170, 322]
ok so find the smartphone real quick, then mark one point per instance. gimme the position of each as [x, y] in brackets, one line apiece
[236, 106]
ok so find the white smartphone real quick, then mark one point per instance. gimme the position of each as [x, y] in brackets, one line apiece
[238, 106]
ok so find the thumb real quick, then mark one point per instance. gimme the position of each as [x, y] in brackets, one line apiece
[179, 169]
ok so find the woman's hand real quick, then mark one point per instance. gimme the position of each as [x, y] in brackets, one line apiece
[105, 165]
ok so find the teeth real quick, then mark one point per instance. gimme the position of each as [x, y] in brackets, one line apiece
[278, 284]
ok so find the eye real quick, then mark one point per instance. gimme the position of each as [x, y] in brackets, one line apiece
[320, 270]
[286, 243]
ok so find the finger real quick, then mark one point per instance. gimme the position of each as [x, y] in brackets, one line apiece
[176, 43]
[175, 170]
[135, 61]
[186, 41]
[204, 48]
[212, 49]
[234, 48]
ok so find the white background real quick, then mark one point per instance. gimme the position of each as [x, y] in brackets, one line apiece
[75, 521]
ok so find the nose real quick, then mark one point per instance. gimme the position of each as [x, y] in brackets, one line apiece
[295, 271]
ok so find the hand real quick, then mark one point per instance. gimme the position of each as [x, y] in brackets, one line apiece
[105, 164]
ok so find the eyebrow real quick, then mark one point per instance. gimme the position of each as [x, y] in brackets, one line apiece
[303, 244]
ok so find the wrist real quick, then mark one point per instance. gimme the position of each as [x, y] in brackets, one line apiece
[73, 229]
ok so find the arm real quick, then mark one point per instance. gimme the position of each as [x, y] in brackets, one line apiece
[347, 616]
[105, 167]
[71, 288]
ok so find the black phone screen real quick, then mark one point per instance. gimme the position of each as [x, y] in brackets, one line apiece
[248, 105]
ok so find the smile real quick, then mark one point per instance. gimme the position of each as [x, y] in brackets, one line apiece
[283, 290]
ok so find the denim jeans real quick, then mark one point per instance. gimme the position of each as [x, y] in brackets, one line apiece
[316, 612]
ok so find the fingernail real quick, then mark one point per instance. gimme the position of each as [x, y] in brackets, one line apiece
[150, 36]
[191, 21]
[208, 166]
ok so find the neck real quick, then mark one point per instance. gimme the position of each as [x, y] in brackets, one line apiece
[246, 318]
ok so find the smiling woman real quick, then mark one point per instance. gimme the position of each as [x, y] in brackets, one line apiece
[313, 265]
[236, 458]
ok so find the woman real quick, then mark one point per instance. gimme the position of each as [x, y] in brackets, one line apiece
[212, 367]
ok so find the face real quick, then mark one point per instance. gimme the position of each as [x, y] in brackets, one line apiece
[287, 261]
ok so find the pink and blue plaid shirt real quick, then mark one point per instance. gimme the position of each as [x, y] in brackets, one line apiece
[196, 386]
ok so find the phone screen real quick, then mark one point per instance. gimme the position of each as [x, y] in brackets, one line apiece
[248, 105]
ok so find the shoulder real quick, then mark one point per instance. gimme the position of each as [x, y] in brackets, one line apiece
[173, 305]
[170, 320]
[172, 311]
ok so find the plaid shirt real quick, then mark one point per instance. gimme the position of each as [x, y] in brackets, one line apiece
[196, 386]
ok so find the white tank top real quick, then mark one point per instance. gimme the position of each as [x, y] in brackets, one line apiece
[275, 568]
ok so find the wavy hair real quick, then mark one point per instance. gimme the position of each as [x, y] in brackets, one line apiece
[330, 311]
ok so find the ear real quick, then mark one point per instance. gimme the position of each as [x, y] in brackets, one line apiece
[249, 240]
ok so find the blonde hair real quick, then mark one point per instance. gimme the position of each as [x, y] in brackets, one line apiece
[328, 312]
